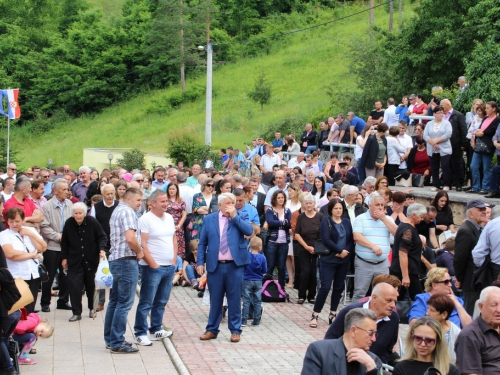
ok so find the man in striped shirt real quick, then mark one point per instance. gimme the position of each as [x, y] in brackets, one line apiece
[372, 232]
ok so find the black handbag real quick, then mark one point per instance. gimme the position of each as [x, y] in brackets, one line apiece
[403, 308]
[481, 147]
[417, 180]
[42, 271]
[14, 354]
[319, 247]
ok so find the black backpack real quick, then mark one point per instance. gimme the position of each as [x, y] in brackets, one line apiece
[272, 292]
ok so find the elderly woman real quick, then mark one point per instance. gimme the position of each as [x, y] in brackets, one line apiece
[439, 282]
[310, 180]
[437, 134]
[278, 218]
[22, 247]
[484, 150]
[425, 348]
[408, 251]
[202, 203]
[82, 245]
[336, 234]
[306, 233]
[440, 307]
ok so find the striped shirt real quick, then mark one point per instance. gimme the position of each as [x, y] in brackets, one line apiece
[122, 220]
[374, 231]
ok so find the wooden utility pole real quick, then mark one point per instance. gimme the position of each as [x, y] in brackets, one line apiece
[183, 77]
[391, 11]
[372, 18]
[400, 15]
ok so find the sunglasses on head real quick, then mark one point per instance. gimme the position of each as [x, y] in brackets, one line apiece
[427, 340]
[445, 282]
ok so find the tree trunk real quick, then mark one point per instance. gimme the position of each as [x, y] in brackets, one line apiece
[400, 15]
[183, 78]
[372, 18]
[391, 12]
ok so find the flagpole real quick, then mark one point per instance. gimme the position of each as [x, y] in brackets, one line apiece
[8, 140]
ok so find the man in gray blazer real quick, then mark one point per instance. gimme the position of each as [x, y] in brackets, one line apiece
[349, 354]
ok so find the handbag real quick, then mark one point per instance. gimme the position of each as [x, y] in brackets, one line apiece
[319, 247]
[42, 270]
[405, 182]
[403, 308]
[14, 354]
[481, 147]
[26, 295]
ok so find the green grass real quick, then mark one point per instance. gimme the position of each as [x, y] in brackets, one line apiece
[300, 67]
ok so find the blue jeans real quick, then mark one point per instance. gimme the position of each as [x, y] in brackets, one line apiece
[191, 272]
[310, 149]
[125, 276]
[252, 296]
[361, 172]
[7, 327]
[276, 257]
[477, 160]
[155, 292]
[495, 178]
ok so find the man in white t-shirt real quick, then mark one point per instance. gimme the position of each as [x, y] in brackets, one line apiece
[406, 142]
[159, 244]
[8, 188]
[391, 118]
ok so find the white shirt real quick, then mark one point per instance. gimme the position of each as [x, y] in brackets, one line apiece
[92, 210]
[358, 150]
[197, 189]
[407, 143]
[393, 150]
[390, 116]
[293, 163]
[366, 305]
[187, 193]
[28, 268]
[6, 196]
[269, 161]
[160, 237]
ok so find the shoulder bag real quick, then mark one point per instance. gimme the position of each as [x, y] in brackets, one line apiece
[319, 247]
[42, 271]
[481, 147]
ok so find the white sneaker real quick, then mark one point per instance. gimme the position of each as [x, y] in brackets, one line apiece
[143, 340]
[446, 188]
[434, 189]
[160, 335]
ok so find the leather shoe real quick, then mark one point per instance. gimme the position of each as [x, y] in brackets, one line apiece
[99, 308]
[493, 195]
[235, 337]
[66, 306]
[45, 309]
[74, 318]
[208, 336]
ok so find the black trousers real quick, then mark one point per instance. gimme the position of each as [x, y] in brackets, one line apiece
[296, 261]
[78, 277]
[470, 299]
[34, 285]
[435, 160]
[52, 261]
[458, 167]
[391, 170]
[308, 282]
[414, 289]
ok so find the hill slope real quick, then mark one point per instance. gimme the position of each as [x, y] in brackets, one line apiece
[300, 68]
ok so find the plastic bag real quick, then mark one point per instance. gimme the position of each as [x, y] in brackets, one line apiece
[103, 278]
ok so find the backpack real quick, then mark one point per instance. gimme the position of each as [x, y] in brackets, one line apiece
[272, 292]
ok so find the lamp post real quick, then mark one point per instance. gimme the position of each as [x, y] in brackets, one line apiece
[110, 157]
[208, 113]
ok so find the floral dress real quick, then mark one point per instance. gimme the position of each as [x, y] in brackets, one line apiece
[197, 219]
[176, 209]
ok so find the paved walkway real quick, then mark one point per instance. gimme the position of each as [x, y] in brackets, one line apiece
[78, 348]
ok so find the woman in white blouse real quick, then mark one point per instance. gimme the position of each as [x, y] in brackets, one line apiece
[22, 247]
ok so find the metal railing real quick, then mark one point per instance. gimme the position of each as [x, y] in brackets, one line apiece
[420, 118]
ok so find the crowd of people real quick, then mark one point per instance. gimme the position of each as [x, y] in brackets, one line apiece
[308, 222]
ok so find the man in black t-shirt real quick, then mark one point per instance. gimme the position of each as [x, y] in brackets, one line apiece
[377, 115]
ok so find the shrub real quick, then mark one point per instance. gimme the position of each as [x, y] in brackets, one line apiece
[290, 125]
[133, 159]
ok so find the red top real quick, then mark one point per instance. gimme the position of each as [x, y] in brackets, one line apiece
[421, 163]
[27, 206]
[420, 110]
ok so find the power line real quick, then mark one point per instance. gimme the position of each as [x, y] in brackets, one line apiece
[303, 29]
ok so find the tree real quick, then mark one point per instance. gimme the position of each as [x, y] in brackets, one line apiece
[262, 91]
[133, 159]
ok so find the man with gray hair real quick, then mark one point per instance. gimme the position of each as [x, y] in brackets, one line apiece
[369, 185]
[382, 303]
[348, 354]
[372, 232]
[171, 177]
[223, 248]
[22, 188]
[466, 239]
[80, 188]
[477, 346]
[236, 181]
[56, 211]
[407, 254]
[357, 125]
[299, 161]
[351, 208]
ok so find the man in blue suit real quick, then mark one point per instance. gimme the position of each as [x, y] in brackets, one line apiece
[223, 248]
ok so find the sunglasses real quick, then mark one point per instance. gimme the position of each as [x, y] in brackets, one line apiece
[427, 340]
[210, 185]
[445, 282]
[13, 169]
[140, 180]
[370, 332]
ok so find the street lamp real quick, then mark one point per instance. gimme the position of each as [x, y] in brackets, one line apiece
[110, 157]
[208, 115]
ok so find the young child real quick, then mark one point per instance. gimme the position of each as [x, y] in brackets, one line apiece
[178, 271]
[189, 274]
[252, 282]
[410, 199]
[27, 331]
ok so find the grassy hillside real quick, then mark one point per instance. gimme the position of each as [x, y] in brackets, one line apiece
[300, 68]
